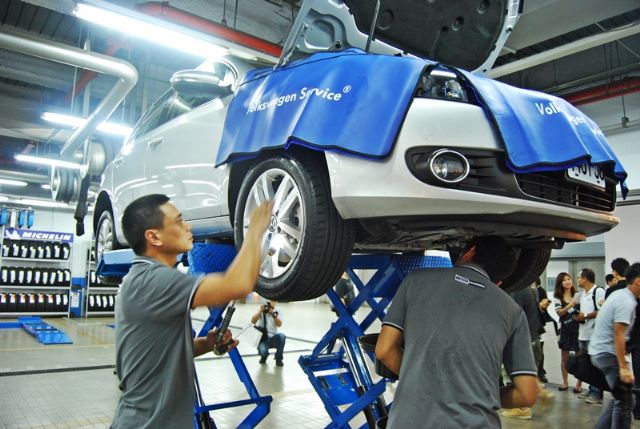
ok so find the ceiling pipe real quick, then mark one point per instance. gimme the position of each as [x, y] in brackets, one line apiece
[27, 177]
[90, 75]
[58, 52]
[603, 92]
[565, 50]
[178, 16]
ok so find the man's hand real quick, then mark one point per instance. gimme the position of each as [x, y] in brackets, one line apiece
[580, 317]
[544, 304]
[626, 376]
[260, 219]
[226, 338]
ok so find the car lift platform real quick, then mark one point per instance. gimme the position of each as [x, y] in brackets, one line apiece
[342, 377]
[43, 332]
[203, 258]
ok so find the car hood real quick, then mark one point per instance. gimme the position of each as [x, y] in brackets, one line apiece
[464, 33]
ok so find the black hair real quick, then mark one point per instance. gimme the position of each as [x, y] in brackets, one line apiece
[587, 273]
[496, 256]
[608, 278]
[619, 265]
[140, 215]
[558, 290]
[632, 272]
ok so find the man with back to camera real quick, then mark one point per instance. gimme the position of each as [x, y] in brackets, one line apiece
[590, 302]
[607, 349]
[618, 267]
[446, 334]
[154, 344]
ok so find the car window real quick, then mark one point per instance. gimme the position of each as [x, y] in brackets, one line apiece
[155, 115]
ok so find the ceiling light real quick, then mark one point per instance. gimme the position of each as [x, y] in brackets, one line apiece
[146, 30]
[48, 161]
[75, 122]
[10, 182]
[34, 202]
[46, 186]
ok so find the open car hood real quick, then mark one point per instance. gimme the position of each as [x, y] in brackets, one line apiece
[464, 33]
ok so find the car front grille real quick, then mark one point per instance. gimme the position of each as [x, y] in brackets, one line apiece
[554, 187]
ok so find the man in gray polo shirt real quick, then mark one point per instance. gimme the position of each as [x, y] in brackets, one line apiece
[446, 334]
[607, 348]
[154, 344]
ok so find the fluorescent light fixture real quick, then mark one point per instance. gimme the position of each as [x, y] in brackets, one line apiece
[75, 122]
[37, 203]
[10, 182]
[148, 31]
[48, 161]
[46, 186]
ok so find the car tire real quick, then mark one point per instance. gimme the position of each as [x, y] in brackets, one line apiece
[531, 264]
[309, 242]
[106, 240]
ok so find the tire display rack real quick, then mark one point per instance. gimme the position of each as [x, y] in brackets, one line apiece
[100, 299]
[35, 272]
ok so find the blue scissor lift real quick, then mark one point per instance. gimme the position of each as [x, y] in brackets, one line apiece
[341, 378]
[203, 258]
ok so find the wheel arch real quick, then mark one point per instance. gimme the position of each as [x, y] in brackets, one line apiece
[239, 170]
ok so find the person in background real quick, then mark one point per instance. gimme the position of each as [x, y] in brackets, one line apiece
[153, 337]
[543, 303]
[344, 289]
[591, 299]
[437, 321]
[607, 350]
[618, 267]
[563, 298]
[269, 319]
[610, 280]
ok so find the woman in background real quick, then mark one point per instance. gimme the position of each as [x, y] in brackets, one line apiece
[564, 301]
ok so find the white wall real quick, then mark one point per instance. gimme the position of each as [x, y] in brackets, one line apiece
[625, 146]
[622, 241]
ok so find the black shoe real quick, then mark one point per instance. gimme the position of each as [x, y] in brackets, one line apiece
[263, 360]
[543, 379]
[279, 362]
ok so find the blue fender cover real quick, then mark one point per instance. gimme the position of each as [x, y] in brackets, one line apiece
[354, 102]
[348, 101]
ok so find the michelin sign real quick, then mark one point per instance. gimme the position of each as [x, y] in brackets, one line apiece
[29, 234]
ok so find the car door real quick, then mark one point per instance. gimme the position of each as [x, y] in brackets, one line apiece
[130, 180]
[182, 163]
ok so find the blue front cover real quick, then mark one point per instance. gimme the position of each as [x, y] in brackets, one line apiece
[348, 101]
[355, 102]
[542, 132]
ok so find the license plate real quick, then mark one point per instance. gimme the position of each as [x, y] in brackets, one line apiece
[587, 173]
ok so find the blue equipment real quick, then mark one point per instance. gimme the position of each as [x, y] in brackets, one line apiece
[342, 377]
[203, 258]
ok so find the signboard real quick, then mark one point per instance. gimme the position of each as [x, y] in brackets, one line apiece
[30, 234]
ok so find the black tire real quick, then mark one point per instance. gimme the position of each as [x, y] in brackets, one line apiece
[325, 242]
[105, 244]
[530, 265]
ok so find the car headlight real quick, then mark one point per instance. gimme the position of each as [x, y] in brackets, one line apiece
[448, 166]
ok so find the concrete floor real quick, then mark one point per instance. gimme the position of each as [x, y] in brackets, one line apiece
[73, 386]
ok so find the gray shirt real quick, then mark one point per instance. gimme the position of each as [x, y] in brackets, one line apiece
[618, 308]
[459, 328]
[154, 347]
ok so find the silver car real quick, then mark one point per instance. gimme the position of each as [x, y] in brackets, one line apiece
[445, 177]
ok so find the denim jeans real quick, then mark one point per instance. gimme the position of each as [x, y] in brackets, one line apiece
[594, 392]
[617, 413]
[275, 342]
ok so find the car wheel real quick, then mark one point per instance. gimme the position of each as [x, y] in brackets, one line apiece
[307, 245]
[531, 263]
[105, 240]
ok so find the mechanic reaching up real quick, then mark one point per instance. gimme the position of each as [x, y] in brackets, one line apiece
[446, 334]
[154, 344]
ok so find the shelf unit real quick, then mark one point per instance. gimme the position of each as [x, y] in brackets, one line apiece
[35, 272]
[99, 300]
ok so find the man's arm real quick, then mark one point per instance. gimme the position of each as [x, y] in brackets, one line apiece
[240, 278]
[389, 347]
[619, 340]
[522, 393]
[255, 317]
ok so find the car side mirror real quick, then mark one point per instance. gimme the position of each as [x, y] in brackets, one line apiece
[199, 83]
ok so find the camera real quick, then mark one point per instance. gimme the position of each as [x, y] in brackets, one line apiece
[268, 308]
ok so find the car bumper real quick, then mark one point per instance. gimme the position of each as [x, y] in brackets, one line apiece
[365, 188]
